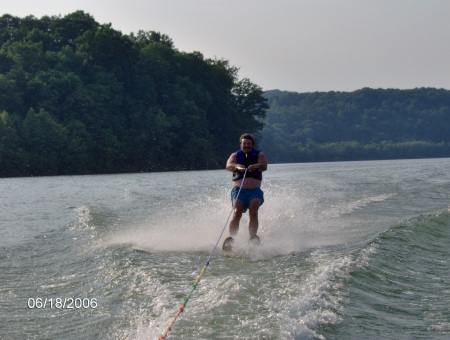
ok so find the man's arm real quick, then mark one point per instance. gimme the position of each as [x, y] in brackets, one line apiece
[232, 164]
[261, 165]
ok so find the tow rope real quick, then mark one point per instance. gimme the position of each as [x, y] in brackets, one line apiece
[197, 280]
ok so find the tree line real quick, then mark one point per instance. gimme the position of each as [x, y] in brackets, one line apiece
[79, 97]
[366, 124]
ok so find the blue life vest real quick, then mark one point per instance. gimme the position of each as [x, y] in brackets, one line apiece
[246, 160]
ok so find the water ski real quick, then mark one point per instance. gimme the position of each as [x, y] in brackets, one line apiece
[228, 244]
[255, 241]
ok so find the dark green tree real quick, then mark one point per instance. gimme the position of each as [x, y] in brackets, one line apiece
[81, 97]
[43, 140]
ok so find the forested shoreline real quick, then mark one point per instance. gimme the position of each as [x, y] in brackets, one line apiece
[366, 124]
[79, 97]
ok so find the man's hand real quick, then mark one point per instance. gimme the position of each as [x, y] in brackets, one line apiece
[253, 167]
[240, 168]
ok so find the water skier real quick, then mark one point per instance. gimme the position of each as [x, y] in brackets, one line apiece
[251, 197]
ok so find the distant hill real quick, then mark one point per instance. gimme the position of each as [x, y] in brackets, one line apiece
[362, 125]
[79, 97]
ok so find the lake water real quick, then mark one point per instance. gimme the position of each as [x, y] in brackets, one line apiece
[350, 250]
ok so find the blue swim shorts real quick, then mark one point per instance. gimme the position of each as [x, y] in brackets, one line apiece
[246, 196]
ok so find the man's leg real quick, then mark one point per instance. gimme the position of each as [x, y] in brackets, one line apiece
[253, 214]
[237, 214]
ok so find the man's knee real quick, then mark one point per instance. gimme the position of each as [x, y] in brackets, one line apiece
[255, 203]
[254, 206]
[238, 208]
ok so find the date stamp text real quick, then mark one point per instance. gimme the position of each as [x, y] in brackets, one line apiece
[62, 303]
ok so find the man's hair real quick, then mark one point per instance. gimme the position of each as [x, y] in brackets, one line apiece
[247, 136]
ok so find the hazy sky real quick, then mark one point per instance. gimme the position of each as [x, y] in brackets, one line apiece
[294, 45]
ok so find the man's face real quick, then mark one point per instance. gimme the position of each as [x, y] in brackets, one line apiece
[246, 145]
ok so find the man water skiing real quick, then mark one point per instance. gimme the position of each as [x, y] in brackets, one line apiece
[251, 197]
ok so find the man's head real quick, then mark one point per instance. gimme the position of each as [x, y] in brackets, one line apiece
[246, 142]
